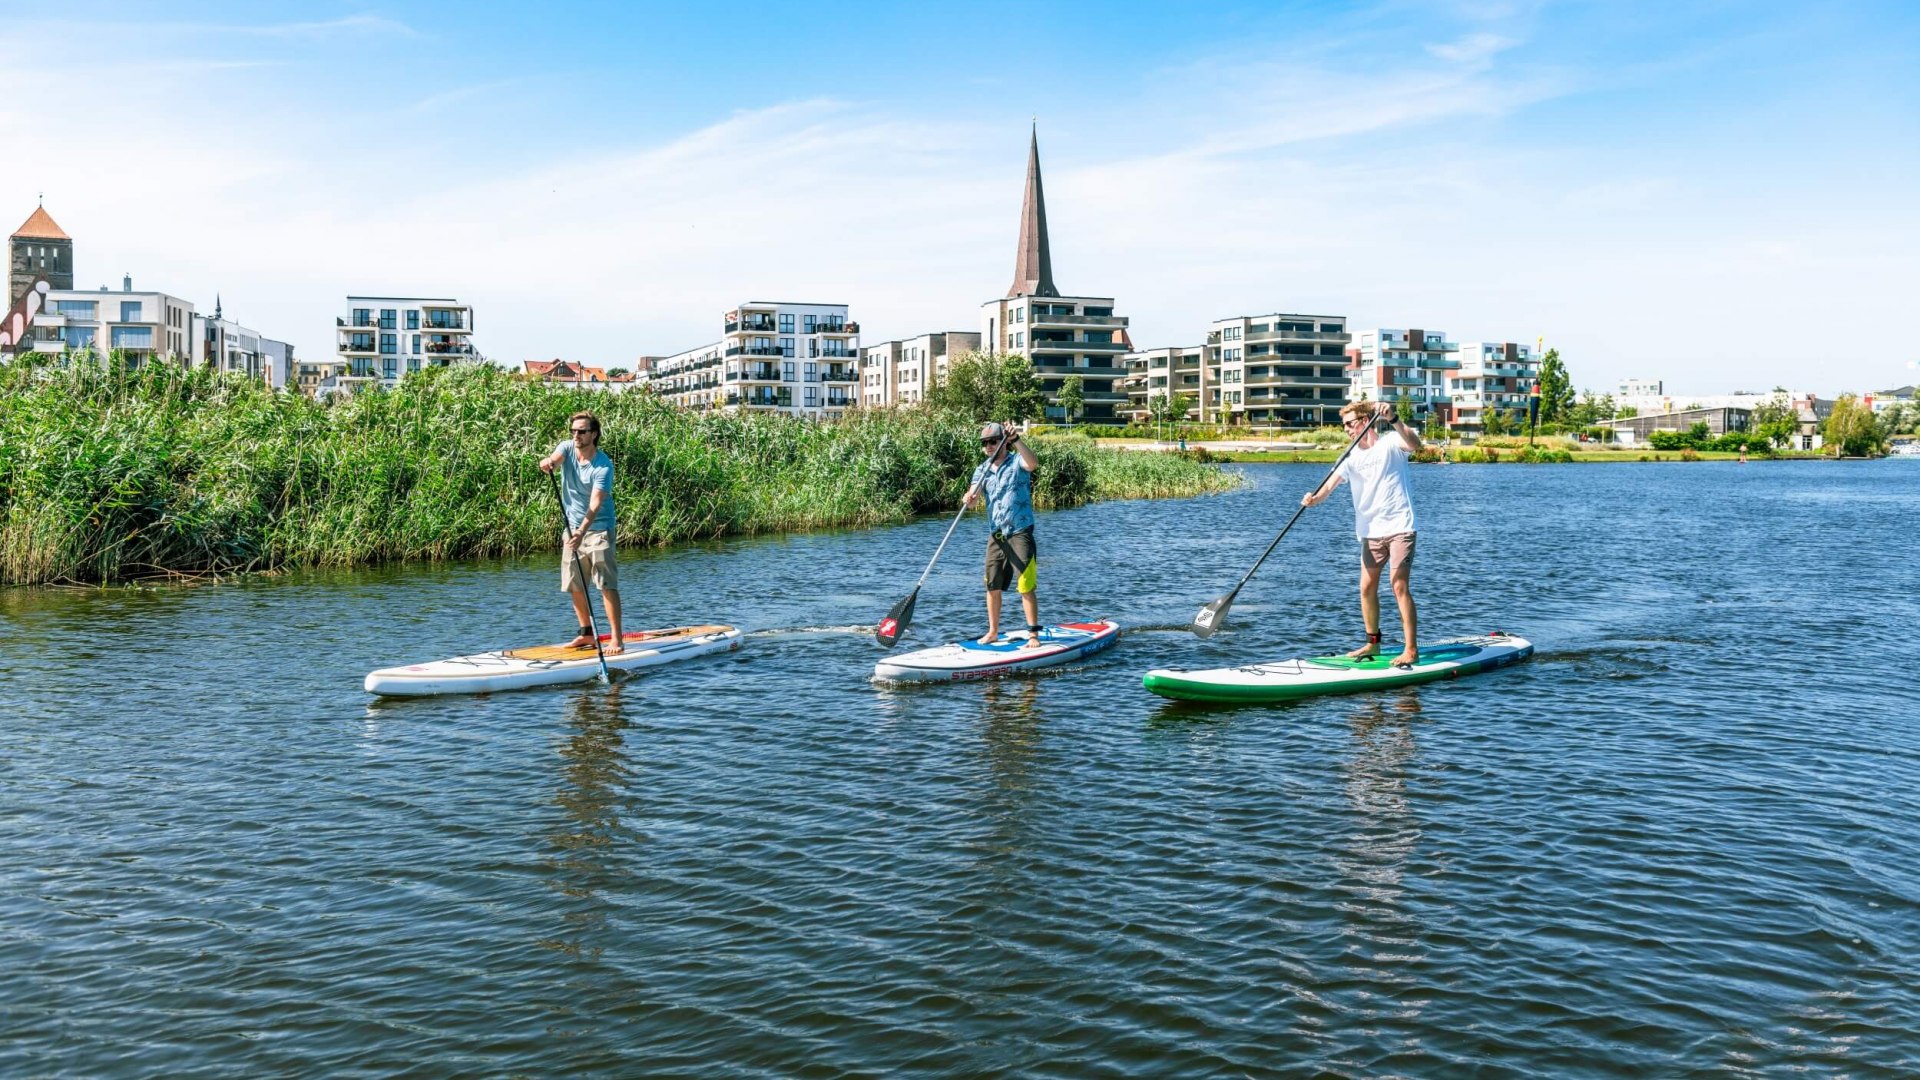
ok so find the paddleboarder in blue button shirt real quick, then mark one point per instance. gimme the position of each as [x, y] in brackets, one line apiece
[586, 493]
[1005, 481]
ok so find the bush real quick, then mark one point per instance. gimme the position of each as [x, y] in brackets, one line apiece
[163, 471]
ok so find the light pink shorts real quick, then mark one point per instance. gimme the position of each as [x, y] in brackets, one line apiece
[1388, 550]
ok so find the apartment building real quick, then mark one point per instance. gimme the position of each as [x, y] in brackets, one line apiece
[1413, 366]
[383, 338]
[775, 356]
[229, 347]
[1492, 375]
[1159, 373]
[904, 372]
[1278, 370]
[1063, 336]
[141, 326]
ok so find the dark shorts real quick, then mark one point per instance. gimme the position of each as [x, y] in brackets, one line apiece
[1003, 571]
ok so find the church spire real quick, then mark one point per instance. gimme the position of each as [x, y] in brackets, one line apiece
[1033, 266]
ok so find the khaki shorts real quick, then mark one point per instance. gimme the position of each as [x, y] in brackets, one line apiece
[1390, 551]
[596, 558]
[1018, 571]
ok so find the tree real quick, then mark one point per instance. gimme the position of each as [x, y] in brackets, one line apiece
[1853, 430]
[1556, 388]
[1495, 421]
[1583, 412]
[1606, 409]
[1169, 408]
[617, 373]
[1625, 412]
[1403, 411]
[1776, 420]
[1072, 396]
[985, 386]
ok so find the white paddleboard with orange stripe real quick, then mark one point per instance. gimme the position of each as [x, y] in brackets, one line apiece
[549, 665]
[1006, 655]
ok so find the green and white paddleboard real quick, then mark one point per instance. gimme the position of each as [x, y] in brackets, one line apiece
[1286, 680]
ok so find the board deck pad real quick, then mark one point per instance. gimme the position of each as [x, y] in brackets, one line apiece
[1287, 680]
[968, 660]
[548, 665]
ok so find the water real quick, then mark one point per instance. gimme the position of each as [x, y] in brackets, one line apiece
[1679, 840]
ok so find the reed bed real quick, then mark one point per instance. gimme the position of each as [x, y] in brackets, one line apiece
[110, 475]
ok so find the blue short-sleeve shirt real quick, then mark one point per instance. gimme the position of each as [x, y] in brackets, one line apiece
[578, 483]
[1009, 494]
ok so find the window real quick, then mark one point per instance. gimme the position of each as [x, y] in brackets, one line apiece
[387, 317]
[133, 337]
[389, 344]
[806, 325]
[786, 324]
[813, 397]
[130, 311]
[786, 371]
[1231, 333]
[1104, 337]
[76, 309]
[416, 344]
[812, 371]
[1020, 315]
[413, 363]
[1257, 328]
[390, 368]
[413, 318]
[78, 337]
[786, 343]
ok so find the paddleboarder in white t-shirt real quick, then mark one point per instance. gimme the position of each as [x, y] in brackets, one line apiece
[1382, 516]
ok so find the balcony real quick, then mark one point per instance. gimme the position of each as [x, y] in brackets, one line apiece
[755, 350]
[751, 324]
[357, 346]
[756, 373]
[1078, 320]
[1300, 335]
[450, 348]
[1446, 363]
[838, 354]
[445, 326]
[837, 328]
[841, 373]
[841, 402]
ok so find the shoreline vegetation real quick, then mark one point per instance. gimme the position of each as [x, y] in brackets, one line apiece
[109, 475]
[1502, 449]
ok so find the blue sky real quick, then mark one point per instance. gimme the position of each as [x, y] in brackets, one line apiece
[1718, 194]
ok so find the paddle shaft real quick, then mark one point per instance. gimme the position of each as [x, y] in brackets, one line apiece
[580, 579]
[1303, 508]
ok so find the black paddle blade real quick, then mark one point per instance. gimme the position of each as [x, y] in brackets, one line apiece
[1211, 616]
[896, 621]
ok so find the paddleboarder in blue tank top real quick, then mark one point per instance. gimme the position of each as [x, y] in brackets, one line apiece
[586, 491]
[1005, 481]
[1382, 516]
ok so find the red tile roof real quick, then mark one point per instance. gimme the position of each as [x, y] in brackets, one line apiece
[40, 226]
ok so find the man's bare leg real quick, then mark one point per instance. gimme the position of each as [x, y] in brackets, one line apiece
[610, 599]
[1369, 611]
[582, 616]
[1030, 604]
[1409, 622]
[993, 618]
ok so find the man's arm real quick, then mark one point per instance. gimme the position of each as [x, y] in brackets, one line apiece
[1319, 495]
[1407, 434]
[1025, 452]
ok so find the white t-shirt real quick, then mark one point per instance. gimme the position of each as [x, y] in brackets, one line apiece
[1382, 505]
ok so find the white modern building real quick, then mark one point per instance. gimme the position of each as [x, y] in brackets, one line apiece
[141, 326]
[383, 338]
[1403, 365]
[1278, 370]
[903, 372]
[1492, 375]
[1648, 388]
[1063, 336]
[775, 356]
[1159, 373]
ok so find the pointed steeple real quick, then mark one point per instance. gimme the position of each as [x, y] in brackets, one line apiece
[1033, 266]
[216, 306]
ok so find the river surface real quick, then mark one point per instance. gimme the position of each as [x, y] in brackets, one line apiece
[1680, 840]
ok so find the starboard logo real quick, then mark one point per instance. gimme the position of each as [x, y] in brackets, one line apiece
[1205, 618]
[886, 628]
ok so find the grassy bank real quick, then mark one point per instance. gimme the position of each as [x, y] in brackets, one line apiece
[107, 475]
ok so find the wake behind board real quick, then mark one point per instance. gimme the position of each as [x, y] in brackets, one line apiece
[548, 665]
[1287, 680]
[969, 660]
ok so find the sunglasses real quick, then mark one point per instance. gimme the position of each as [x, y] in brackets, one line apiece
[583, 431]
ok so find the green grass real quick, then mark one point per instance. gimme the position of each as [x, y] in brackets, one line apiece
[108, 475]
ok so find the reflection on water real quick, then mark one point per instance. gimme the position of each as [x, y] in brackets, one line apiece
[595, 779]
[1384, 933]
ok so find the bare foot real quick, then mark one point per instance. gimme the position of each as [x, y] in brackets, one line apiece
[1364, 652]
[988, 638]
[1033, 642]
[614, 649]
[584, 641]
[1407, 659]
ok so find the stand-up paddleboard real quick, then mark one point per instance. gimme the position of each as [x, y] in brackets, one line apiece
[1286, 680]
[1010, 653]
[548, 665]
